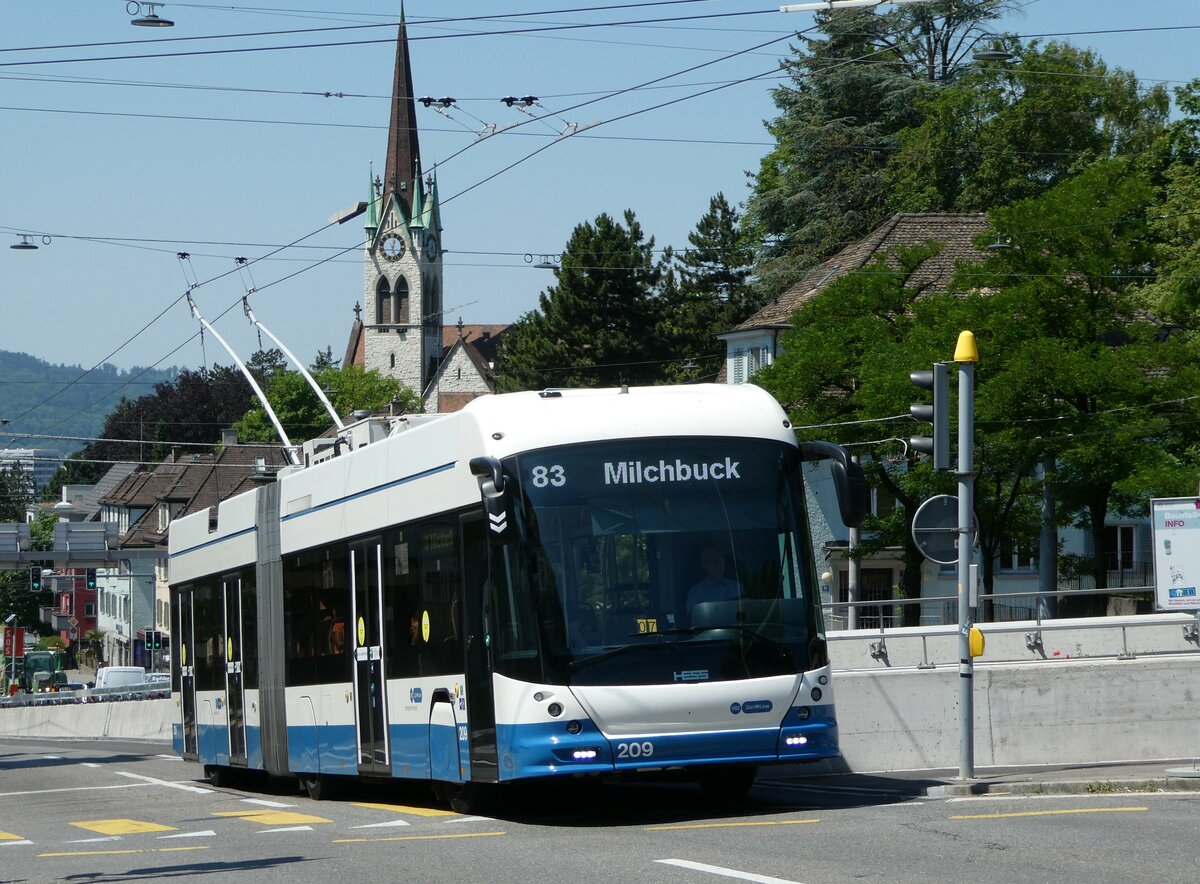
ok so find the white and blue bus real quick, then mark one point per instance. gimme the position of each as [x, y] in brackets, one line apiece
[515, 590]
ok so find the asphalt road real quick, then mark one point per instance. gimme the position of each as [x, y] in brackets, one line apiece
[105, 811]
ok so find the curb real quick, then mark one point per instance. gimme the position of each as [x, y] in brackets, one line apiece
[1078, 787]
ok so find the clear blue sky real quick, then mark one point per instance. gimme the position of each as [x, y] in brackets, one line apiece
[123, 172]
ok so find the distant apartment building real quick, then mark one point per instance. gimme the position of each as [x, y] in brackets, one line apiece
[38, 464]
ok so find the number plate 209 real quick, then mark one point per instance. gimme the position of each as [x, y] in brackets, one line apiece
[635, 750]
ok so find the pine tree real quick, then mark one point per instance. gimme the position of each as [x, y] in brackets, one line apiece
[596, 326]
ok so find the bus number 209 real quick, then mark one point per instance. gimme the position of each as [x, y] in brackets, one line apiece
[635, 750]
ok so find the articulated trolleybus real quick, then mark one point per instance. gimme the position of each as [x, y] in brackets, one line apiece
[570, 582]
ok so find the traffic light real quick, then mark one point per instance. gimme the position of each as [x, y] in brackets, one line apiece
[156, 640]
[90, 578]
[35, 578]
[938, 414]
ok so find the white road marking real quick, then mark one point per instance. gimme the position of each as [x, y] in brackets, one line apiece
[207, 833]
[157, 782]
[288, 829]
[470, 819]
[265, 803]
[382, 825]
[68, 789]
[94, 840]
[52, 757]
[13, 843]
[725, 873]
[89, 764]
[169, 757]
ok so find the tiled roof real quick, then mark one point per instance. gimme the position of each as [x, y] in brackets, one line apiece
[956, 233]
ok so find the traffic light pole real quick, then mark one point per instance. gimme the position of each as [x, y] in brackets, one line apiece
[966, 355]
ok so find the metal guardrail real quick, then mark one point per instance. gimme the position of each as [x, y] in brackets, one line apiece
[90, 695]
[1095, 638]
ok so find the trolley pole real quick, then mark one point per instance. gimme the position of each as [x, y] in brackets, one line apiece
[966, 355]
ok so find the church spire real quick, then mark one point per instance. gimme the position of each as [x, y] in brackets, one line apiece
[403, 152]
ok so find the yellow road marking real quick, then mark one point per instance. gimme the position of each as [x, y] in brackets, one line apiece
[8, 836]
[121, 827]
[119, 852]
[729, 825]
[418, 837]
[401, 808]
[274, 817]
[1001, 816]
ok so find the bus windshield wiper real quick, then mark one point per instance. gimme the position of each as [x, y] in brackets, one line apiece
[576, 665]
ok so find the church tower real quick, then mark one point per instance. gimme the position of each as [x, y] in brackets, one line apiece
[402, 261]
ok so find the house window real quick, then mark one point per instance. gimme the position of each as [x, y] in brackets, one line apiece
[164, 516]
[1017, 555]
[1119, 542]
[89, 609]
[883, 502]
[391, 360]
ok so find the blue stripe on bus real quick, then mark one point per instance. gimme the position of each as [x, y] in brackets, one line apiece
[538, 750]
[215, 540]
[403, 480]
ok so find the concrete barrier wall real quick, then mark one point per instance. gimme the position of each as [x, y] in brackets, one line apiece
[1052, 712]
[1073, 711]
[131, 719]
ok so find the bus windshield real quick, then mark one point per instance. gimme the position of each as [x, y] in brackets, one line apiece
[655, 561]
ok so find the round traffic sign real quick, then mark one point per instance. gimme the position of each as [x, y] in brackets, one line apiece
[935, 529]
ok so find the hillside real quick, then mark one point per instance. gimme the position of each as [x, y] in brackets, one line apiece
[41, 399]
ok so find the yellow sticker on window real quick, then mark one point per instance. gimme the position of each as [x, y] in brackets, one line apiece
[425, 625]
[362, 632]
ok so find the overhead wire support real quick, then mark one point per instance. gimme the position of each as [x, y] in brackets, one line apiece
[337, 421]
[288, 449]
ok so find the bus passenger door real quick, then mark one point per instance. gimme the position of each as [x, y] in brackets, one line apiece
[481, 710]
[187, 672]
[235, 695]
[370, 694]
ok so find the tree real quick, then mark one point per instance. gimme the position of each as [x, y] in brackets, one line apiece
[596, 325]
[300, 411]
[193, 408]
[852, 90]
[846, 359]
[711, 293]
[1083, 374]
[1000, 133]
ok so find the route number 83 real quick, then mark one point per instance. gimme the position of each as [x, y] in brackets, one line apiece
[552, 475]
[635, 750]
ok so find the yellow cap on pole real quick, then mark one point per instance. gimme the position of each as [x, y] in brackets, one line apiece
[966, 351]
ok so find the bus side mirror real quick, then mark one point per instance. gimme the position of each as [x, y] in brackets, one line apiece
[848, 479]
[496, 501]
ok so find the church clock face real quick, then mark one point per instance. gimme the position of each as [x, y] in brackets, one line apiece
[431, 248]
[393, 247]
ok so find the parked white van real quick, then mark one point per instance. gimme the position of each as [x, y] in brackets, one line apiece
[120, 676]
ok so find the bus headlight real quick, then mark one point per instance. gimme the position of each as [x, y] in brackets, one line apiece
[555, 709]
[803, 712]
[796, 740]
[816, 695]
[584, 754]
[574, 727]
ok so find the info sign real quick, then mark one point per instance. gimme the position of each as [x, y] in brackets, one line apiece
[1176, 523]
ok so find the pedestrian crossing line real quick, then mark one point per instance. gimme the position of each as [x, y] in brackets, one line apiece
[62, 853]
[273, 817]
[121, 826]
[402, 808]
[419, 837]
[1001, 816]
